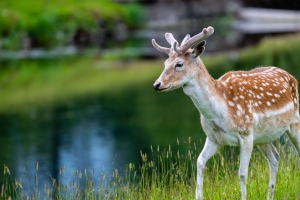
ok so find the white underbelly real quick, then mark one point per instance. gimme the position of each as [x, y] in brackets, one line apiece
[265, 129]
[223, 138]
[269, 136]
[271, 128]
[218, 133]
[232, 138]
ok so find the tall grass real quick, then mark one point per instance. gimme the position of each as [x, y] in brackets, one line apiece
[166, 174]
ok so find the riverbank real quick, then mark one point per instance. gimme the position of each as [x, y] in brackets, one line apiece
[42, 83]
[166, 174]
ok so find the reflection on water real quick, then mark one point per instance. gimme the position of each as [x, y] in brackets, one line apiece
[96, 133]
[90, 146]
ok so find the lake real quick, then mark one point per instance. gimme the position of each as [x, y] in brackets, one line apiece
[99, 133]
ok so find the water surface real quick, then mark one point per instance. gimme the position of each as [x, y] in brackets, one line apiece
[99, 133]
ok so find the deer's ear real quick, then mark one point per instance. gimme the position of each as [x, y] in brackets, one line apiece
[199, 49]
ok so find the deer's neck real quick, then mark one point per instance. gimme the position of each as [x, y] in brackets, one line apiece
[205, 93]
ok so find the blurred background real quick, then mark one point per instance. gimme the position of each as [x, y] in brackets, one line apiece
[76, 76]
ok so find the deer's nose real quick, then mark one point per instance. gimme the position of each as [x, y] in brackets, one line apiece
[156, 86]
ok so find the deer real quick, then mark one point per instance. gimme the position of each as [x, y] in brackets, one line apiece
[241, 108]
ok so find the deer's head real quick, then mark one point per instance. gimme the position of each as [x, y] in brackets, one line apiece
[182, 61]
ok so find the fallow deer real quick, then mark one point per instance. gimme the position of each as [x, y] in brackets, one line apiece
[242, 108]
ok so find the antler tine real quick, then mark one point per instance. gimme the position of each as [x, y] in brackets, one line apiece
[197, 38]
[186, 38]
[170, 38]
[160, 48]
[175, 47]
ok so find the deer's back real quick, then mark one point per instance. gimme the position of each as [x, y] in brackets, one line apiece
[264, 100]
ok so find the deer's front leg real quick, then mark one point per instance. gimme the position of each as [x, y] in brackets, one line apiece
[210, 148]
[246, 147]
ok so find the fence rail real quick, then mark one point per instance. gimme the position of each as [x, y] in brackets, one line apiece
[262, 21]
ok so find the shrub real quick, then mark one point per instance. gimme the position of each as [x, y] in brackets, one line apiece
[50, 23]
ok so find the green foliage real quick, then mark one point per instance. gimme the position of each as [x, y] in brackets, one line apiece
[165, 174]
[51, 22]
[279, 51]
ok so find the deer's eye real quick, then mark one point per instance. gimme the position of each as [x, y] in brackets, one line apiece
[178, 65]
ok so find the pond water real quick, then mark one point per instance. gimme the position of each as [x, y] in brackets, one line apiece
[99, 133]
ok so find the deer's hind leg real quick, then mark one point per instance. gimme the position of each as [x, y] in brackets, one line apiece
[271, 154]
[294, 135]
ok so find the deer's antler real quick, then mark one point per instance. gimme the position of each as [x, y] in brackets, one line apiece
[206, 32]
[185, 44]
[160, 48]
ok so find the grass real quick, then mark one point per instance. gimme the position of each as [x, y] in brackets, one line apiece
[47, 82]
[62, 80]
[167, 174]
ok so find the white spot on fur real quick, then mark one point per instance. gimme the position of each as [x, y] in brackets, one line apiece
[230, 103]
[286, 78]
[247, 119]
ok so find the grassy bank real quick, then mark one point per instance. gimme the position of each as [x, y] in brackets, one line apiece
[47, 82]
[165, 174]
[41, 83]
